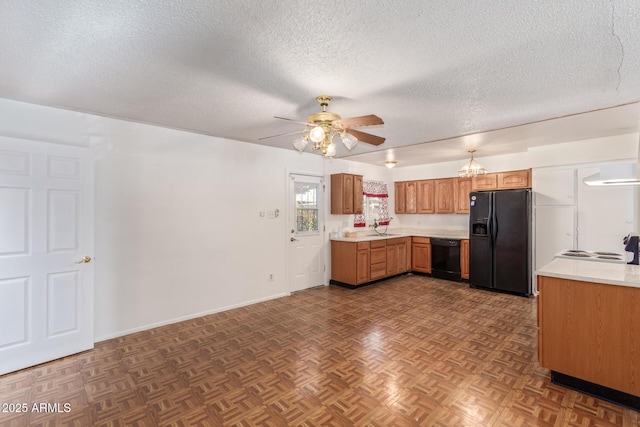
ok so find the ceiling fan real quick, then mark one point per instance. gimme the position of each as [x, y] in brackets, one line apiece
[322, 127]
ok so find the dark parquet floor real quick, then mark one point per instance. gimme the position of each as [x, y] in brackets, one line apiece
[411, 351]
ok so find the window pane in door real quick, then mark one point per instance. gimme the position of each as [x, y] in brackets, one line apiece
[306, 207]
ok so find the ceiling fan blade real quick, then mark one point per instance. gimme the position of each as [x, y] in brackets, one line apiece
[367, 138]
[281, 134]
[291, 120]
[354, 122]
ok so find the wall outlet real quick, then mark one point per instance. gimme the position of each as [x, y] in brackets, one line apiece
[271, 277]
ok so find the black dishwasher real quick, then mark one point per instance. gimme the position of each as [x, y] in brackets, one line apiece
[445, 259]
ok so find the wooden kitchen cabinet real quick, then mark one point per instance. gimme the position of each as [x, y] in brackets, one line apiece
[405, 197]
[464, 258]
[346, 194]
[590, 331]
[400, 200]
[485, 182]
[463, 188]
[378, 259]
[514, 179]
[363, 263]
[396, 256]
[421, 254]
[509, 180]
[425, 197]
[444, 195]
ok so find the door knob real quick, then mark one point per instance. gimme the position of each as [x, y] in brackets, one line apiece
[293, 239]
[84, 260]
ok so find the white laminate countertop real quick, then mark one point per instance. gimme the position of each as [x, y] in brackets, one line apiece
[365, 236]
[591, 271]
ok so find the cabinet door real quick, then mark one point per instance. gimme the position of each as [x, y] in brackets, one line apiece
[514, 179]
[485, 182]
[410, 191]
[347, 194]
[444, 195]
[463, 188]
[402, 257]
[400, 205]
[392, 260]
[362, 266]
[464, 258]
[425, 197]
[358, 196]
[421, 257]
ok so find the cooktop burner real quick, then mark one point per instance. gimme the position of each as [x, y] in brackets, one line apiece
[601, 256]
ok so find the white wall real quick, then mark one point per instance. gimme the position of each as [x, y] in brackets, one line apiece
[177, 225]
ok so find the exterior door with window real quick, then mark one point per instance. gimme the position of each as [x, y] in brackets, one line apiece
[306, 235]
[46, 241]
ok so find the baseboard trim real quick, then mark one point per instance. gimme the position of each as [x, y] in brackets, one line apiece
[187, 317]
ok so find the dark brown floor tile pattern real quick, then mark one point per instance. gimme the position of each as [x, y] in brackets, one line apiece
[411, 351]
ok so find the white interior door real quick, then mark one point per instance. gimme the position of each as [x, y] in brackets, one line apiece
[306, 231]
[46, 229]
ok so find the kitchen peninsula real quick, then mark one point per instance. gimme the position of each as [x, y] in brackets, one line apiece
[589, 327]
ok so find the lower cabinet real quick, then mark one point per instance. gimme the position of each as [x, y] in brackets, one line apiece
[421, 254]
[464, 258]
[378, 259]
[396, 256]
[356, 263]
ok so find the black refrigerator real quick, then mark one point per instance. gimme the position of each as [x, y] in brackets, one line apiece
[500, 240]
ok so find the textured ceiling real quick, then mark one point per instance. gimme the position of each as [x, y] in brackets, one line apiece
[431, 69]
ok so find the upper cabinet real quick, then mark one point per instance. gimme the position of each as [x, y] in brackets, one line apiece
[346, 194]
[463, 188]
[502, 180]
[405, 197]
[451, 195]
[425, 196]
[514, 179]
[445, 191]
[485, 182]
[399, 194]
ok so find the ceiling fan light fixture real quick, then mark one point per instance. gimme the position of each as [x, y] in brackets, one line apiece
[316, 134]
[330, 150]
[348, 140]
[301, 142]
[471, 168]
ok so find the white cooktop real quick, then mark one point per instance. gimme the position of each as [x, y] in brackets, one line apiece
[598, 256]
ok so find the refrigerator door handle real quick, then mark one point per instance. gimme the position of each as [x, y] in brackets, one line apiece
[490, 219]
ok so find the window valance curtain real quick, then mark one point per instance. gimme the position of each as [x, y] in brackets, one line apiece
[378, 190]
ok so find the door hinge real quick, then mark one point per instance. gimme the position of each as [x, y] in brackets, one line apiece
[324, 228]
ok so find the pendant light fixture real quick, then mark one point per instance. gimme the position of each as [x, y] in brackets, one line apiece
[471, 168]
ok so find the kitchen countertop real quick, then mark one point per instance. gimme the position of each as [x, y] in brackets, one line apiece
[591, 271]
[443, 234]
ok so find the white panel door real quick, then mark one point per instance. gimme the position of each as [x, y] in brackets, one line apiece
[46, 231]
[306, 235]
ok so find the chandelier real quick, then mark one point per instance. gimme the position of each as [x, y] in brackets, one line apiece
[323, 127]
[471, 168]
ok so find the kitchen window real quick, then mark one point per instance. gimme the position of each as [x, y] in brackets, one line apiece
[375, 204]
